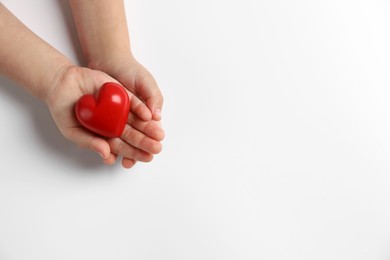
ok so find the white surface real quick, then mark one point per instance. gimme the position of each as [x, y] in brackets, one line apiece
[277, 120]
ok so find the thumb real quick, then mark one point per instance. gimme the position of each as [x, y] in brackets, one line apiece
[86, 139]
[148, 90]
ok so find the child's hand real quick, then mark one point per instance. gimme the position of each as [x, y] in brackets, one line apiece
[133, 145]
[109, 51]
[33, 63]
[138, 81]
[147, 103]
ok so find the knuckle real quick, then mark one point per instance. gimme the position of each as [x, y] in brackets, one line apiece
[128, 133]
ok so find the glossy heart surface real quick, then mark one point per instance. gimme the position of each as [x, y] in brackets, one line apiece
[106, 113]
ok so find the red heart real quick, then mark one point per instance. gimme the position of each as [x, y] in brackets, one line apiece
[107, 113]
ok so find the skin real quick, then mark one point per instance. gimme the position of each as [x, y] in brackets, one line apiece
[52, 77]
[104, 38]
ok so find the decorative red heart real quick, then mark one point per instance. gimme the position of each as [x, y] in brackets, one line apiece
[107, 113]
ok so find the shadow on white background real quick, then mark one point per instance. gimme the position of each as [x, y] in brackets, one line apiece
[42, 127]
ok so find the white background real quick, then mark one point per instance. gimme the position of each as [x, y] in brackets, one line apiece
[277, 120]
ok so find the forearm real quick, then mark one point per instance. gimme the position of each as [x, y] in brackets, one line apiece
[26, 58]
[102, 29]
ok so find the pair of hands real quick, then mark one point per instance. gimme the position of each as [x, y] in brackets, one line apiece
[142, 136]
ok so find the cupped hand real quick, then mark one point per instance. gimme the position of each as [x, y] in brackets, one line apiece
[138, 142]
[148, 101]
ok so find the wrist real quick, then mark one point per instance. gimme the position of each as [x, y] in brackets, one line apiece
[55, 80]
[110, 64]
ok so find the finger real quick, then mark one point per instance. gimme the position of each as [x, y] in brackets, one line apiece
[111, 159]
[120, 147]
[150, 128]
[128, 163]
[147, 90]
[86, 139]
[139, 140]
[140, 109]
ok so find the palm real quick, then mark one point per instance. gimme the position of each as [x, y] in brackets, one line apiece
[74, 83]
